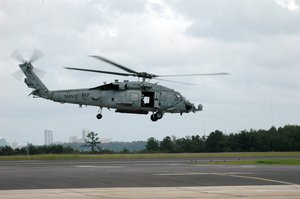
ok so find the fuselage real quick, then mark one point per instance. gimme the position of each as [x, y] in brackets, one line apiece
[127, 97]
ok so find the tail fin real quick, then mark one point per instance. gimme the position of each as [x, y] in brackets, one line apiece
[33, 81]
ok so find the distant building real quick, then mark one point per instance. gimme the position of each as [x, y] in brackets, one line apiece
[85, 132]
[48, 137]
[3, 142]
[14, 145]
[74, 139]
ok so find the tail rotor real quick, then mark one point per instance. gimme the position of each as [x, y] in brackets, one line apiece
[17, 56]
[36, 55]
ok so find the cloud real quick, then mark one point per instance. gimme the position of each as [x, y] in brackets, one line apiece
[239, 20]
[289, 4]
[256, 41]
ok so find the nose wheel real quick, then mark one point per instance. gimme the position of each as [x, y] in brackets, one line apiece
[156, 116]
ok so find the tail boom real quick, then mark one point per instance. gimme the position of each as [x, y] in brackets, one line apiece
[33, 81]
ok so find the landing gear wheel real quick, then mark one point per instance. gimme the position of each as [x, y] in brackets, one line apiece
[159, 115]
[153, 118]
[99, 115]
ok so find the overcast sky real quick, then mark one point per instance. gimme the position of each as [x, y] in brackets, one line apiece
[256, 41]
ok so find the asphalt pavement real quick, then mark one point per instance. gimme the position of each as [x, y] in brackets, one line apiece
[112, 173]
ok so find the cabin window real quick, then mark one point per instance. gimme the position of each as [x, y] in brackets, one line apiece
[133, 96]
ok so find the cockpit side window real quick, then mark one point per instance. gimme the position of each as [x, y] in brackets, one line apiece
[178, 97]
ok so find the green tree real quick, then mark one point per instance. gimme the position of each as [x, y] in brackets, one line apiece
[232, 143]
[198, 143]
[244, 141]
[167, 145]
[292, 132]
[152, 145]
[6, 150]
[215, 142]
[92, 140]
[125, 150]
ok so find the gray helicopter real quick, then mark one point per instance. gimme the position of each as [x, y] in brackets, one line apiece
[137, 97]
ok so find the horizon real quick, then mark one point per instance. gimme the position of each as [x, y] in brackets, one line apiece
[111, 141]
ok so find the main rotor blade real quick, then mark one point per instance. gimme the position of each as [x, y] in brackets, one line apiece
[166, 80]
[17, 56]
[201, 74]
[37, 54]
[100, 71]
[113, 63]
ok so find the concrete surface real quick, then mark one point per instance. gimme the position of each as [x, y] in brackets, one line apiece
[254, 192]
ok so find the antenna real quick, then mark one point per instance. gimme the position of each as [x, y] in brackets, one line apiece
[272, 111]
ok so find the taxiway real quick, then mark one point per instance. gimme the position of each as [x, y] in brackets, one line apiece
[134, 174]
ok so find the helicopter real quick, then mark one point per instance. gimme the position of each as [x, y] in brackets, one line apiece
[136, 97]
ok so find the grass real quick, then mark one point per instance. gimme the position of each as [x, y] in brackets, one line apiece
[159, 155]
[280, 162]
[292, 161]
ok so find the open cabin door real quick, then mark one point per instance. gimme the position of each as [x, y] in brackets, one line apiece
[147, 99]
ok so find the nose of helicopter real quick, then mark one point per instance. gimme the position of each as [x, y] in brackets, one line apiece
[189, 106]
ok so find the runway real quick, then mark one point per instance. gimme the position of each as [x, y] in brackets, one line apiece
[134, 174]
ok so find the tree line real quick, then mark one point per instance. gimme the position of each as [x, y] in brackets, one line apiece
[35, 150]
[285, 138]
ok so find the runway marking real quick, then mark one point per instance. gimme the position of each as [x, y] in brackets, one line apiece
[199, 173]
[95, 166]
[248, 166]
[258, 178]
[231, 174]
